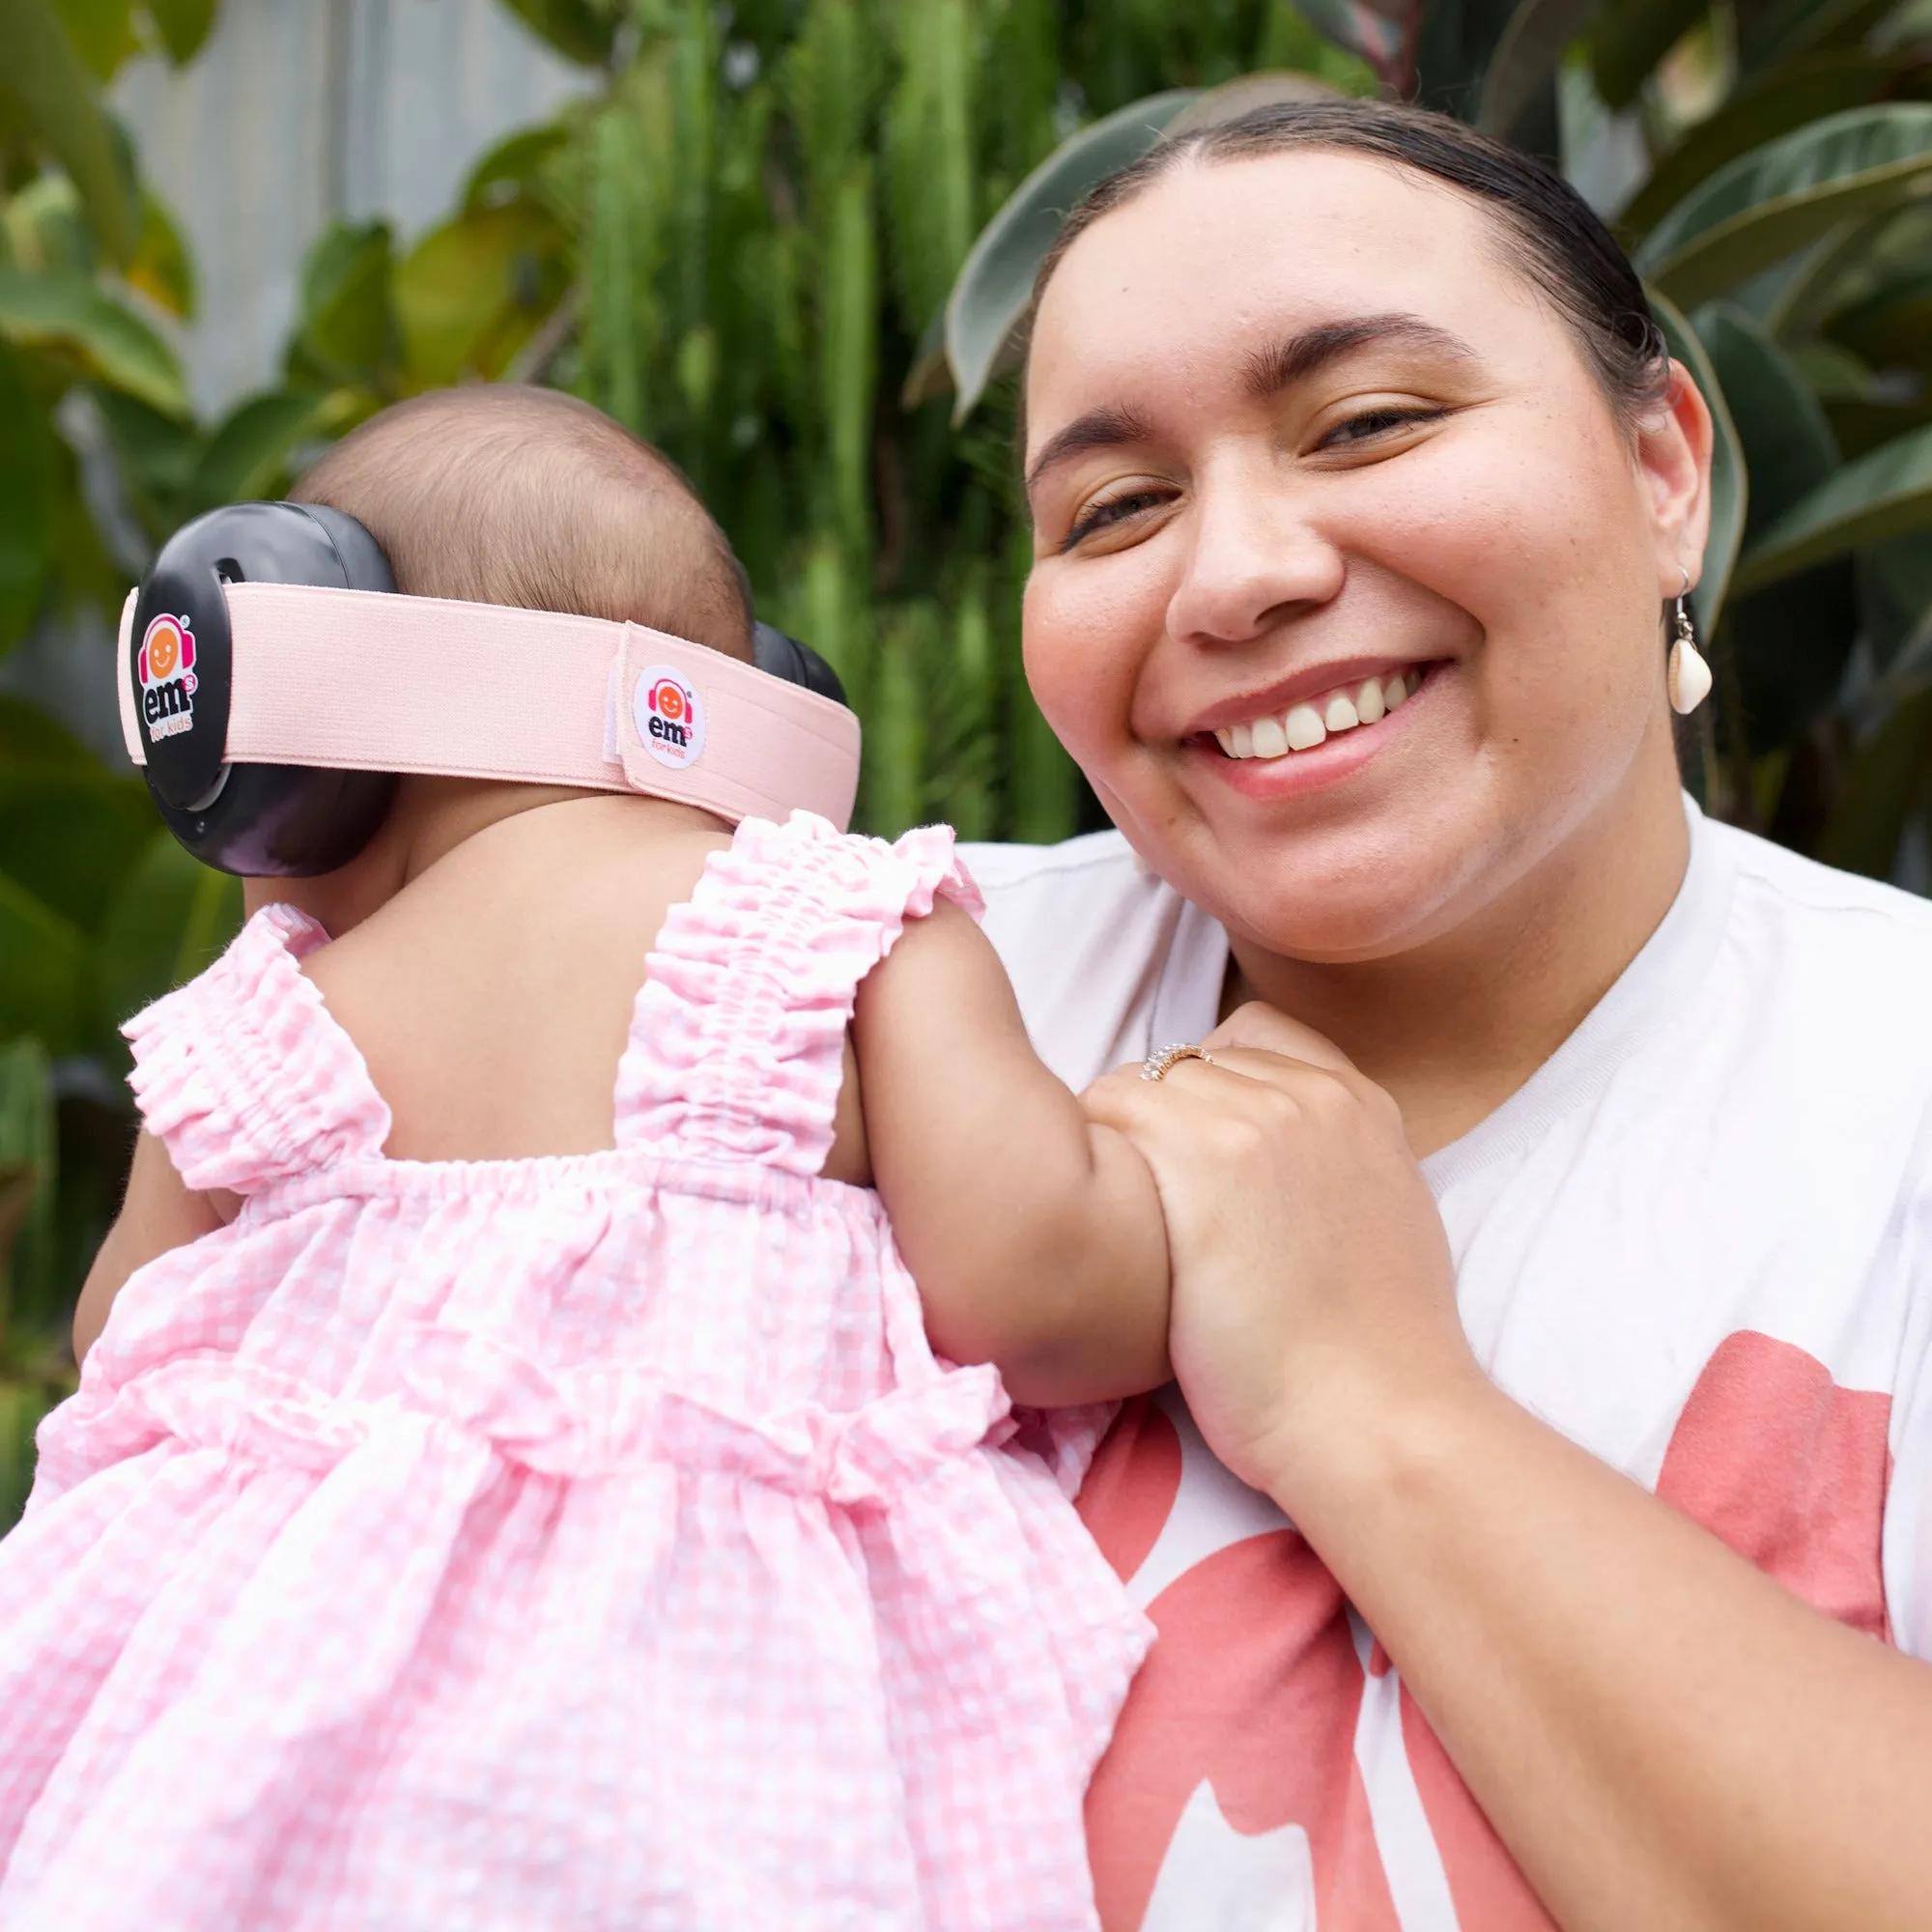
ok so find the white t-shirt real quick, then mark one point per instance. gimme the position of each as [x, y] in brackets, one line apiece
[1698, 1242]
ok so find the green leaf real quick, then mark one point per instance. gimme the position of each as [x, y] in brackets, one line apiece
[1381, 32]
[26, 499]
[471, 292]
[28, 1158]
[56, 96]
[1529, 52]
[101, 32]
[1766, 205]
[1627, 39]
[1895, 595]
[1774, 104]
[995, 282]
[184, 27]
[580, 30]
[1730, 489]
[22, 1403]
[1886, 494]
[1885, 782]
[43, 972]
[1793, 27]
[69, 835]
[163, 268]
[515, 167]
[170, 918]
[1891, 330]
[109, 340]
[348, 330]
[1787, 443]
[251, 454]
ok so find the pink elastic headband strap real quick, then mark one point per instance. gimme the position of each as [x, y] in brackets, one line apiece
[364, 680]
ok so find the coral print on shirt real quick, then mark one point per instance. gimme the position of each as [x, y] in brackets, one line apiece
[1274, 1775]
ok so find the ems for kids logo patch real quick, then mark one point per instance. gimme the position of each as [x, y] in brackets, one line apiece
[671, 719]
[168, 683]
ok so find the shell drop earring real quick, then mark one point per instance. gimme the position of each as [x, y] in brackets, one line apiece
[1686, 676]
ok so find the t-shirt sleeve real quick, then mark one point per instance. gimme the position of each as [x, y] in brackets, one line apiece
[1907, 1552]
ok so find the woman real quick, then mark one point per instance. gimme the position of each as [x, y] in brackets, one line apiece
[1359, 479]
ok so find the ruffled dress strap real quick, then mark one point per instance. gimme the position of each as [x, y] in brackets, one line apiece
[737, 1041]
[243, 1073]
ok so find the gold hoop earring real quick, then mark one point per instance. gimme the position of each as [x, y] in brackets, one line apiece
[1686, 676]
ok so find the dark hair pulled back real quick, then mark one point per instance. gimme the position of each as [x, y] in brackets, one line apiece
[1551, 233]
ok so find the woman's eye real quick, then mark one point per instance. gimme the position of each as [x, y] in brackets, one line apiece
[1368, 424]
[1113, 510]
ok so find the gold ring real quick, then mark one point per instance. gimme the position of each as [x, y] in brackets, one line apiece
[1157, 1065]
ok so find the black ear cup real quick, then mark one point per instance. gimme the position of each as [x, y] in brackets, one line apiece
[796, 662]
[262, 821]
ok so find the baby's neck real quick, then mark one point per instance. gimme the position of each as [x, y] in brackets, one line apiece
[430, 817]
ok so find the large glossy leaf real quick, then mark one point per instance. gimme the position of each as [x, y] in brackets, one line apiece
[1772, 202]
[995, 282]
[1529, 52]
[26, 499]
[1787, 443]
[1886, 494]
[1730, 488]
[110, 341]
[56, 99]
[580, 30]
[1789, 644]
[1627, 39]
[514, 166]
[1774, 104]
[170, 918]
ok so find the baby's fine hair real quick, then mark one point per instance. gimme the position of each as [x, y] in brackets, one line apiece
[500, 494]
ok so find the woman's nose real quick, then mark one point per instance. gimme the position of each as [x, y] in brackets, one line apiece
[1255, 560]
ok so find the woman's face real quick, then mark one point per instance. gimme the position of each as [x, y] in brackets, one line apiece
[1305, 447]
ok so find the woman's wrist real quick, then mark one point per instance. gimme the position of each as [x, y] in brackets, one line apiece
[1364, 1442]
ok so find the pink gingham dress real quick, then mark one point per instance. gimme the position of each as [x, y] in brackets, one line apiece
[589, 1540]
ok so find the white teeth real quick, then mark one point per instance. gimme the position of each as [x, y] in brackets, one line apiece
[1305, 727]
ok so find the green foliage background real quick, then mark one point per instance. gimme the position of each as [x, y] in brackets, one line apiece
[755, 241]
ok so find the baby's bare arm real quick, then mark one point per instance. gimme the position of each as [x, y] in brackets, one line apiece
[158, 1212]
[1035, 1236]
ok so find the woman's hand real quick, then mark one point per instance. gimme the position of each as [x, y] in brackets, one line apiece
[1313, 1288]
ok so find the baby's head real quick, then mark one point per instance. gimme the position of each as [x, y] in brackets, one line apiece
[497, 493]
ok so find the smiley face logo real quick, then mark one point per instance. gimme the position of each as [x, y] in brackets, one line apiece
[669, 718]
[167, 647]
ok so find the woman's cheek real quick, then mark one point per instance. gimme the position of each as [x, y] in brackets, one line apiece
[1081, 653]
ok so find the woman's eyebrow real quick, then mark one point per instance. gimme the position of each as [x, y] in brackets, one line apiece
[1295, 356]
[1097, 429]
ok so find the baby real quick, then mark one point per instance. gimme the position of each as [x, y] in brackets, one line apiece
[519, 1482]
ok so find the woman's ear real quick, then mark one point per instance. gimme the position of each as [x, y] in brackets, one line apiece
[1673, 450]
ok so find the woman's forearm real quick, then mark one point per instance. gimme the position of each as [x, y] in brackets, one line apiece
[1663, 1736]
